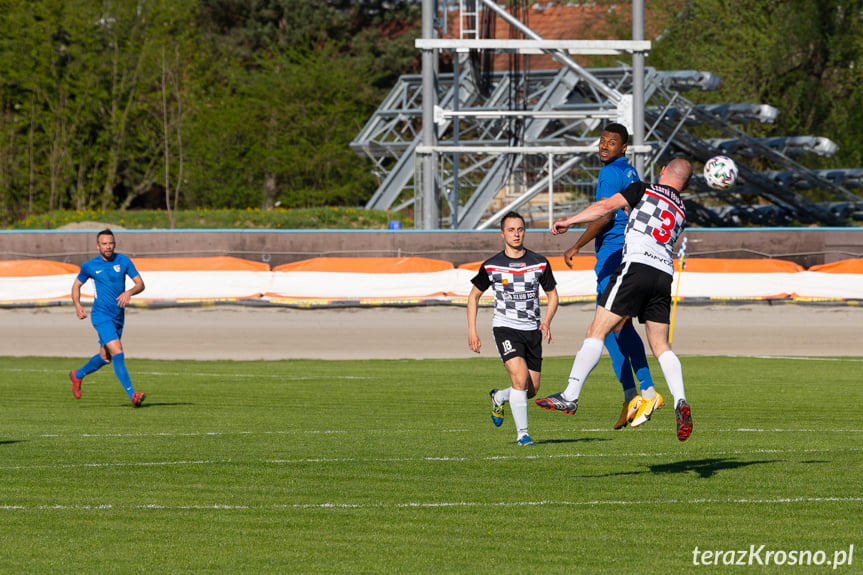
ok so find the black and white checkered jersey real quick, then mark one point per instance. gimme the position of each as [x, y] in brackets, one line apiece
[516, 284]
[656, 218]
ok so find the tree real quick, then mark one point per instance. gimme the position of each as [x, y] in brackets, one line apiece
[280, 132]
[79, 84]
[805, 57]
[101, 102]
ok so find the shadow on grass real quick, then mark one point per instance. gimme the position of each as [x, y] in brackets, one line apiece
[705, 468]
[163, 404]
[11, 441]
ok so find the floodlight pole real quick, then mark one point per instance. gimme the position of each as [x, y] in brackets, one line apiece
[430, 218]
[638, 84]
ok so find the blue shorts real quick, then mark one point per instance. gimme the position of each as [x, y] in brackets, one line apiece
[607, 262]
[108, 329]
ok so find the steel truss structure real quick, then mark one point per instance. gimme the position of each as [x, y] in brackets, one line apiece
[488, 145]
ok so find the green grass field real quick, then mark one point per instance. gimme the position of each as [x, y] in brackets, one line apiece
[395, 467]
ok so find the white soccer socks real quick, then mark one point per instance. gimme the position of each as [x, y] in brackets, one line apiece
[673, 373]
[518, 407]
[584, 362]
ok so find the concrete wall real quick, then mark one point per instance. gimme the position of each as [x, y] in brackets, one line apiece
[805, 246]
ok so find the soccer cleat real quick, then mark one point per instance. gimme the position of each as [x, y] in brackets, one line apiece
[556, 402]
[76, 384]
[630, 408]
[496, 409]
[646, 409]
[138, 398]
[684, 420]
[525, 441]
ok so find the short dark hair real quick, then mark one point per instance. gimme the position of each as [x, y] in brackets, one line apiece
[618, 129]
[510, 215]
[105, 232]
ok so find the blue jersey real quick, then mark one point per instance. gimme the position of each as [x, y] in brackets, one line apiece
[109, 280]
[613, 178]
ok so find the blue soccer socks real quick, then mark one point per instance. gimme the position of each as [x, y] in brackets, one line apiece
[123, 374]
[633, 348]
[95, 363]
[620, 363]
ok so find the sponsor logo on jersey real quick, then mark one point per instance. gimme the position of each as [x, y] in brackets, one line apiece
[658, 258]
[524, 296]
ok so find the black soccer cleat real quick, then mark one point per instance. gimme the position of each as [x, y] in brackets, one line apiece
[556, 402]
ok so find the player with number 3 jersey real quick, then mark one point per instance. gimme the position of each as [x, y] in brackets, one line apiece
[641, 286]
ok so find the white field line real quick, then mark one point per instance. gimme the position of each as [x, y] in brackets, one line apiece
[798, 358]
[351, 377]
[116, 464]
[440, 504]
[554, 456]
[444, 459]
[63, 377]
[423, 432]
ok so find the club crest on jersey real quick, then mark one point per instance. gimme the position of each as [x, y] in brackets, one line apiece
[117, 268]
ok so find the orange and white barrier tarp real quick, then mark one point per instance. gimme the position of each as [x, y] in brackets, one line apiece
[415, 280]
[35, 268]
[207, 264]
[367, 265]
[357, 278]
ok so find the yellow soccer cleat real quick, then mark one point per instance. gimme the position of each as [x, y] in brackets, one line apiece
[646, 409]
[630, 408]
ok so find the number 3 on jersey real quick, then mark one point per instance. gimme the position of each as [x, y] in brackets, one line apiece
[663, 233]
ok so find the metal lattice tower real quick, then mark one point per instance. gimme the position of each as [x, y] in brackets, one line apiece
[476, 156]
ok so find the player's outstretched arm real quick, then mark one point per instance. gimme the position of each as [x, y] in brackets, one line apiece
[593, 230]
[593, 212]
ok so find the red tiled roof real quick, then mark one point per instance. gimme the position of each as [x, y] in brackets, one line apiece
[583, 21]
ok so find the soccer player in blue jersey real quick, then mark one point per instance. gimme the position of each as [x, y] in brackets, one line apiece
[108, 271]
[640, 287]
[516, 275]
[625, 348]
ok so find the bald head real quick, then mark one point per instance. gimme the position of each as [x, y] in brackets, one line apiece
[676, 174]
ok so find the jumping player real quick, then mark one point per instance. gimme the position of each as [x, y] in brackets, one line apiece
[640, 287]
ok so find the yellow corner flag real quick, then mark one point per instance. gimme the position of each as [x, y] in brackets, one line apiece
[681, 256]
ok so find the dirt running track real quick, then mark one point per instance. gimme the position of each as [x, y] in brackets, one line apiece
[244, 333]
